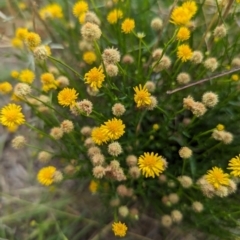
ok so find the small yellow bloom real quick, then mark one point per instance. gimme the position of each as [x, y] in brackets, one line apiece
[89, 57]
[26, 76]
[17, 43]
[53, 11]
[14, 74]
[114, 16]
[234, 166]
[5, 87]
[93, 186]
[180, 16]
[119, 229]
[32, 40]
[142, 96]
[46, 175]
[114, 128]
[220, 127]
[11, 115]
[67, 97]
[184, 52]
[191, 6]
[183, 34]
[12, 128]
[151, 164]
[79, 8]
[128, 25]
[21, 33]
[22, 6]
[94, 78]
[99, 136]
[217, 177]
[48, 82]
[235, 77]
[156, 127]
[81, 19]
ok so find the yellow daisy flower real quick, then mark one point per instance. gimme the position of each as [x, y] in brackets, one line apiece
[114, 128]
[99, 136]
[67, 97]
[128, 25]
[46, 175]
[217, 177]
[114, 16]
[184, 52]
[234, 166]
[119, 229]
[94, 78]
[151, 164]
[79, 8]
[142, 96]
[11, 115]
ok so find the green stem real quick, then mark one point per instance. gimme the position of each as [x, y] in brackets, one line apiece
[67, 66]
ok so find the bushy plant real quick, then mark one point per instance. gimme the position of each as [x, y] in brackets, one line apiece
[139, 97]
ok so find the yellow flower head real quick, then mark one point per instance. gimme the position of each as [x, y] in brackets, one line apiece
[142, 96]
[82, 17]
[67, 97]
[94, 78]
[180, 16]
[217, 177]
[48, 82]
[14, 74]
[11, 115]
[93, 186]
[22, 6]
[235, 77]
[151, 164]
[128, 25]
[99, 136]
[79, 8]
[12, 129]
[46, 175]
[114, 128]
[32, 40]
[184, 52]
[17, 43]
[51, 11]
[5, 87]
[89, 57]
[114, 16]
[21, 33]
[234, 166]
[220, 127]
[119, 229]
[183, 34]
[26, 76]
[191, 6]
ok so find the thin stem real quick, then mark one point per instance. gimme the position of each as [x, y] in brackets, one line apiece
[67, 66]
[203, 80]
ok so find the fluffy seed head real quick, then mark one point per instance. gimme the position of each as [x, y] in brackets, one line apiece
[197, 57]
[134, 172]
[93, 151]
[210, 99]
[131, 160]
[166, 221]
[92, 18]
[211, 64]
[173, 198]
[127, 59]
[44, 156]
[185, 152]
[157, 54]
[91, 31]
[19, 142]
[86, 131]
[97, 159]
[111, 70]
[220, 31]
[176, 216]
[197, 207]
[183, 78]
[67, 126]
[111, 56]
[57, 177]
[123, 211]
[41, 53]
[156, 24]
[185, 181]
[235, 62]
[98, 172]
[22, 90]
[118, 109]
[152, 104]
[114, 149]
[56, 133]
[150, 86]
[62, 81]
